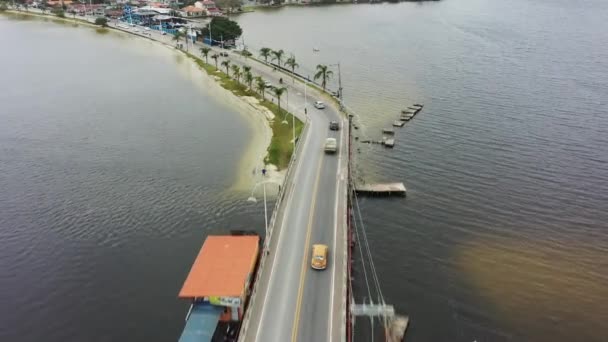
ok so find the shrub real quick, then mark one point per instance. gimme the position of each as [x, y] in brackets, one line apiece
[101, 21]
[59, 12]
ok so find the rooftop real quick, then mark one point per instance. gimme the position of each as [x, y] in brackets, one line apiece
[222, 267]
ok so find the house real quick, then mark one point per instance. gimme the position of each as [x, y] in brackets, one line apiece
[58, 3]
[193, 11]
[82, 9]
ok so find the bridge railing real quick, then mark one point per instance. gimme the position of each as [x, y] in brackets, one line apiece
[287, 183]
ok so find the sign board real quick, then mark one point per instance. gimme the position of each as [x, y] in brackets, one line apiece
[225, 301]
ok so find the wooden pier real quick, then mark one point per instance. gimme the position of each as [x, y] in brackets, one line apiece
[398, 123]
[381, 189]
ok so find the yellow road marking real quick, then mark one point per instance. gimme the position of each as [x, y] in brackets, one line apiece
[296, 320]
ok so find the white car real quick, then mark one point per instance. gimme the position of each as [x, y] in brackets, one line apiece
[268, 84]
[163, 33]
[319, 105]
[147, 29]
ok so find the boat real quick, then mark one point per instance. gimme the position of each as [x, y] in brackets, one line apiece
[315, 49]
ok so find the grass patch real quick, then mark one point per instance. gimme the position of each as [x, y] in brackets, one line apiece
[281, 145]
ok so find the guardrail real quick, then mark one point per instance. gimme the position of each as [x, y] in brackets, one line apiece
[287, 183]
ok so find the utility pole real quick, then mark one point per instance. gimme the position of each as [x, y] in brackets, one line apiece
[210, 40]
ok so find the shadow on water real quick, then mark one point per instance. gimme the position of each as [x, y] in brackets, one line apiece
[540, 289]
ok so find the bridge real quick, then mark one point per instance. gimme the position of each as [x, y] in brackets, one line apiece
[291, 301]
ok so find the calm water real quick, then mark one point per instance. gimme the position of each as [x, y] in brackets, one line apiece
[108, 184]
[504, 233]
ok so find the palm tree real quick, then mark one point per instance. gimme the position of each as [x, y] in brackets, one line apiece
[278, 56]
[236, 72]
[291, 62]
[246, 53]
[177, 36]
[260, 85]
[246, 68]
[265, 52]
[323, 74]
[215, 56]
[226, 64]
[248, 77]
[278, 92]
[205, 52]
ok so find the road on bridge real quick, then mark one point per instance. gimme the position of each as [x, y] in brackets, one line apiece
[293, 302]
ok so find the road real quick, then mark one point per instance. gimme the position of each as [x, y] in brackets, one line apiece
[293, 302]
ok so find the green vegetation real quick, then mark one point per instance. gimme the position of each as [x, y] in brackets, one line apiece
[58, 12]
[278, 56]
[205, 53]
[281, 145]
[226, 64]
[101, 21]
[236, 73]
[265, 53]
[215, 56]
[223, 29]
[3, 6]
[324, 74]
[291, 62]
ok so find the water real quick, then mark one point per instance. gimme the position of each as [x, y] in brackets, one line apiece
[503, 235]
[114, 165]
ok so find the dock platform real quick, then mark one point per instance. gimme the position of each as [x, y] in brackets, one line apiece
[398, 123]
[381, 189]
[388, 142]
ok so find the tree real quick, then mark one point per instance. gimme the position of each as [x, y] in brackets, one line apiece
[3, 7]
[205, 52]
[324, 74]
[226, 64]
[236, 72]
[101, 21]
[246, 68]
[246, 53]
[229, 5]
[291, 62]
[278, 56]
[177, 36]
[265, 52]
[260, 85]
[278, 92]
[215, 56]
[248, 78]
[59, 12]
[222, 29]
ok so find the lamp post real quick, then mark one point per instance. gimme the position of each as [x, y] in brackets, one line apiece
[340, 95]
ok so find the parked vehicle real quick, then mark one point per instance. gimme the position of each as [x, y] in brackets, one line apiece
[319, 105]
[268, 84]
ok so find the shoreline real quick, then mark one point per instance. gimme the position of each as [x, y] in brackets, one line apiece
[256, 115]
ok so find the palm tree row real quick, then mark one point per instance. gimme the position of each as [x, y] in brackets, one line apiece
[322, 73]
[245, 72]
